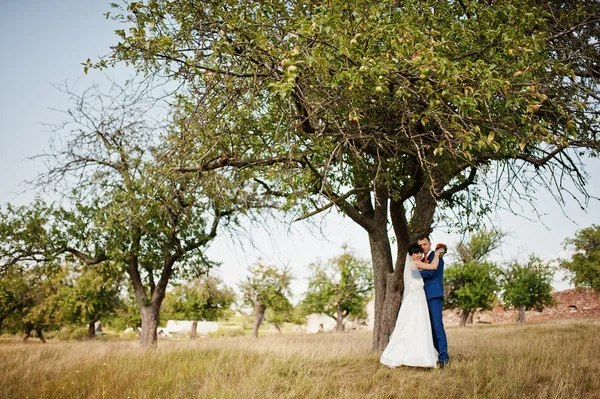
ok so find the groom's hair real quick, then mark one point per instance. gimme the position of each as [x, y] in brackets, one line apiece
[423, 237]
[414, 249]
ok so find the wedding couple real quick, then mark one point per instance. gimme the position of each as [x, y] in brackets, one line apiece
[419, 339]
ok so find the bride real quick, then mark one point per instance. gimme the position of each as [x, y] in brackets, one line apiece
[411, 342]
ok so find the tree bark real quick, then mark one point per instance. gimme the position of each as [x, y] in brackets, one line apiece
[470, 318]
[339, 319]
[40, 335]
[26, 335]
[194, 329]
[91, 330]
[464, 316]
[388, 295]
[521, 317]
[150, 319]
[259, 315]
[278, 328]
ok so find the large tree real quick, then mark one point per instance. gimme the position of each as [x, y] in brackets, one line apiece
[391, 111]
[339, 288]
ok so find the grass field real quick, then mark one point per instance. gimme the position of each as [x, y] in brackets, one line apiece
[550, 360]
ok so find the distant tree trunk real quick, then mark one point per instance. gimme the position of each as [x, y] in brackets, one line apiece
[339, 319]
[277, 328]
[40, 335]
[29, 329]
[194, 329]
[464, 316]
[521, 317]
[259, 315]
[27, 334]
[150, 318]
[470, 318]
[91, 330]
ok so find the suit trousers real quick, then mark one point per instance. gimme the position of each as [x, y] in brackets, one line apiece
[437, 328]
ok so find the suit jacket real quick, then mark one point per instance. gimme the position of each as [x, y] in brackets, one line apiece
[433, 280]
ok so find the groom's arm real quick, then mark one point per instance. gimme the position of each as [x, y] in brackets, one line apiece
[427, 273]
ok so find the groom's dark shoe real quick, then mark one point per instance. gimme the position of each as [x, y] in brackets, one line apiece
[443, 364]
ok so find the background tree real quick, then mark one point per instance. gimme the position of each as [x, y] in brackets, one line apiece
[39, 308]
[528, 287]
[128, 206]
[205, 298]
[339, 288]
[266, 287]
[472, 282]
[88, 295]
[391, 112]
[585, 262]
[13, 290]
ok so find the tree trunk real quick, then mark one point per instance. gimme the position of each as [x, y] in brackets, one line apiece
[521, 317]
[91, 330]
[194, 329]
[470, 318]
[259, 315]
[277, 328]
[150, 319]
[464, 316]
[40, 335]
[388, 291]
[27, 334]
[339, 319]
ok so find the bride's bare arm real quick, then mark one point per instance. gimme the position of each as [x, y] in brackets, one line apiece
[434, 263]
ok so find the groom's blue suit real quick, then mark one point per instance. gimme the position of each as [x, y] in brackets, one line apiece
[434, 291]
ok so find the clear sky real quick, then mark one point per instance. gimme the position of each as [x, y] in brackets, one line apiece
[44, 43]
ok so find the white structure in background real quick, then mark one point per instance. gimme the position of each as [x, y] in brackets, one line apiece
[316, 323]
[185, 327]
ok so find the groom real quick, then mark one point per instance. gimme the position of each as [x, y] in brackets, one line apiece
[434, 291]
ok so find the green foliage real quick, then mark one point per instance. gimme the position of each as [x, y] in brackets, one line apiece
[206, 298]
[356, 91]
[128, 314]
[33, 296]
[528, 286]
[585, 262]
[471, 286]
[340, 287]
[90, 294]
[267, 285]
[481, 243]
[472, 282]
[14, 288]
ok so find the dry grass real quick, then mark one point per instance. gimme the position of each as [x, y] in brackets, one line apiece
[552, 360]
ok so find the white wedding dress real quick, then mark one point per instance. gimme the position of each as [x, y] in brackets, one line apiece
[411, 343]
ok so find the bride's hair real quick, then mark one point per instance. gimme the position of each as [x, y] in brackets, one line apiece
[414, 249]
